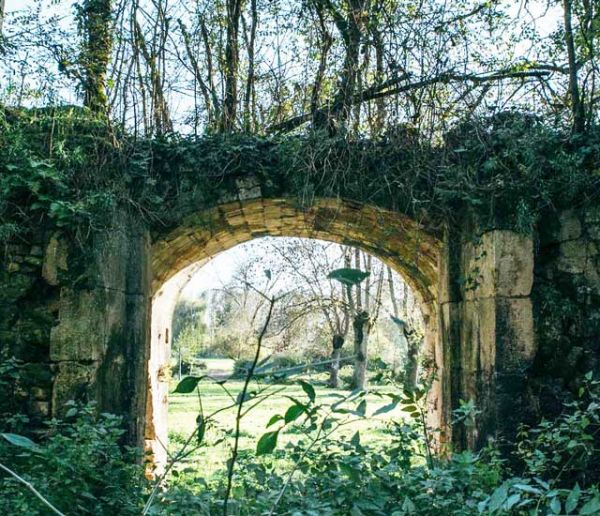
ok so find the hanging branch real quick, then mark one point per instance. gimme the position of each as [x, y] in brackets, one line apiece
[394, 87]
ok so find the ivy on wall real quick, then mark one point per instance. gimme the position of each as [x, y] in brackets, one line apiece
[65, 168]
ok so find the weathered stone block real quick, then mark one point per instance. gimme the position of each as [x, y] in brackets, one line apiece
[73, 381]
[500, 264]
[574, 256]
[86, 318]
[570, 226]
[515, 337]
[55, 260]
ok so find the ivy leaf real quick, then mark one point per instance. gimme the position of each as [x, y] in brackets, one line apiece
[293, 413]
[21, 441]
[348, 277]
[309, 390]
[188, 384]
[267, 443]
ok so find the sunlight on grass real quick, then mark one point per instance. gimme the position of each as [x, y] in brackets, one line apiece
[184, 409]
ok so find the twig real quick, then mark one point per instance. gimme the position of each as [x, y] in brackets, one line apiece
[238, 418]
[31, 488]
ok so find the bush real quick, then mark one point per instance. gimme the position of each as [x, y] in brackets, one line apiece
[81, 468]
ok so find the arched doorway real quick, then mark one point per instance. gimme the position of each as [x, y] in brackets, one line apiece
[400, 242]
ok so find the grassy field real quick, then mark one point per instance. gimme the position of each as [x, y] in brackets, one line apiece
[184, 409]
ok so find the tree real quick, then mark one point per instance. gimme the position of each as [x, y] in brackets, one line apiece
[95, 19]
[407, 326]
[189, 331]
[2, 7]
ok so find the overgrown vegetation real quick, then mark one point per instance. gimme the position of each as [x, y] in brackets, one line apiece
[80, 467]
[64, 168]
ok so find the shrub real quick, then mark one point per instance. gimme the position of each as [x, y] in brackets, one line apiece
[80, 467]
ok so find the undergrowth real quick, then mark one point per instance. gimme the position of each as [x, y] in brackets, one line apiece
[80, 467]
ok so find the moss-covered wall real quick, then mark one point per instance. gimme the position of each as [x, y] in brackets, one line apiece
[92, 223]
[567, 305]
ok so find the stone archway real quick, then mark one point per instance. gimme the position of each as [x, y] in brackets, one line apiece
[408, 247]
[474, 286]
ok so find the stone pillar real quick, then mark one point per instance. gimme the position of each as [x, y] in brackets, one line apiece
[159, 367]
[99, 346]
[487, 323]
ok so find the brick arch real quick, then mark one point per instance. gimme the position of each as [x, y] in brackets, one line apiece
[408, 247]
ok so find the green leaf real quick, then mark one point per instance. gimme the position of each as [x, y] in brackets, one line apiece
[361, 410]
[309, 390]
[267, 443]
[21, 441]
[527, 488]
[385, 409]
[572, 499]
[498, 498]
[348, 277]
[591, 507]
[408, 506]
[188, 384]
[512, 501]
[398, 322]
[274, 420]
[555, 505]
[72, 412]
[355, 441]
[293, 413]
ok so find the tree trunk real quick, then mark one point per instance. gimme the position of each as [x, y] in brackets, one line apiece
[337, 342]
[411, 370]
[95, 25]
[361, 335]
[576, 101]
[232, 58]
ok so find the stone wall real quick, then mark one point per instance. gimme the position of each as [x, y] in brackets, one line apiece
[566, 296]
[28, 312]
[77, 317]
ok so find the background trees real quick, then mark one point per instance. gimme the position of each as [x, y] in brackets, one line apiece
[316, 316]
[354, 67]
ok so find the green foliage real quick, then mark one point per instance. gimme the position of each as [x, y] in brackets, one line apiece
[80, 467]
[348, 277]
[70, 169]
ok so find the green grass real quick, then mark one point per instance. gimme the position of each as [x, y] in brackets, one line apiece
[184, 409]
